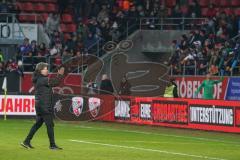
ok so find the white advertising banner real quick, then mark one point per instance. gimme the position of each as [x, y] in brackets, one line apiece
[19, 31]
[17, 105]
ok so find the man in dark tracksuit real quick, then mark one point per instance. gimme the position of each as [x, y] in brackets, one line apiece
[43, 103]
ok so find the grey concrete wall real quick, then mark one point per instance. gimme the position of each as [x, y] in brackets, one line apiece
[148, 46]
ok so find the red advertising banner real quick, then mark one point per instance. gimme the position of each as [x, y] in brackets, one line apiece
[70, 85]
[214, 115]
[237, 116]
[18, 105]
[188, 85]
[170, 112]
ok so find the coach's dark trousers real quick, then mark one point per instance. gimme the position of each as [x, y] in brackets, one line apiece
[48, 120]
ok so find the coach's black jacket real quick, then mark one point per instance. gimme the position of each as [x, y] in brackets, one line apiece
[43, 92]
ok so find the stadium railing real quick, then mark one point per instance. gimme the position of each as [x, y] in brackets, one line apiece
[182, 23]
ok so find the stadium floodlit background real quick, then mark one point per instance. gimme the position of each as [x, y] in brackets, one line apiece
[185, 39]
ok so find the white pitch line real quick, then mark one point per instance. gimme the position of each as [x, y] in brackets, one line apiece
[149, 142]
[153, 142]
[149, 150]
[160, 134]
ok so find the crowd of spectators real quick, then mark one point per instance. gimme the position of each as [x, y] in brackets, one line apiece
[104, 20]
[9, 66]
[6, 6]
[209, 48]
[97, 22]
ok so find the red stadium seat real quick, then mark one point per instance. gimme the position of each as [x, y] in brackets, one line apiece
[211, 12]
[39, 7]
[237, 12]
[169, 12]
[204, 12]
[32, 18]
[51, 8]
[190, 1]
[215, 2]
[27, 18]
[67, 18]
[49, 1]
[44, 17]
[224, 3]
[27, 7]
[184, 9]
[170, 3]
[203, 3]
[19, 6]
[63, 28]
[71, 27]
[235, 3]
[34, 1]
[42, 1]
[22, 18]
[229, 11]
[68, 28]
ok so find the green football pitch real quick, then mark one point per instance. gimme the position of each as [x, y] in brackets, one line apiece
[114, 141]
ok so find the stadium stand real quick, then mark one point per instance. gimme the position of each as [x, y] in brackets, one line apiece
[83, 24]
